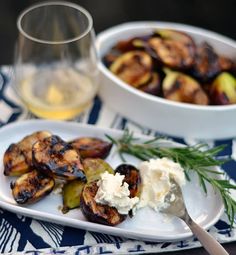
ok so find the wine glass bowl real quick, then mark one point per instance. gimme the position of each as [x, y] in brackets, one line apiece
[55, 65]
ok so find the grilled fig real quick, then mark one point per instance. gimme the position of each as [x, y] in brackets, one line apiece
[27, 143]
[153, 86]
[109, 58]
[56, 158]
[98, 213]
[130, 44]
[223, 89]
[182, 88]
[206, 65]
[18, 157]
[133, 67]
[226, 64]
[71, 194]
[31, 187]
[14, 161]
[173, 48]
[132, 177]
[90, 147]
[93, 168]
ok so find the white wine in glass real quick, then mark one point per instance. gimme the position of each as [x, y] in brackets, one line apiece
[56, 72]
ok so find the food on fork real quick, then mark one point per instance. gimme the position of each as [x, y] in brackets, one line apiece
[156, 177]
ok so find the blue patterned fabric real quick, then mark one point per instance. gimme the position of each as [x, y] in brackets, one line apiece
[22, 235]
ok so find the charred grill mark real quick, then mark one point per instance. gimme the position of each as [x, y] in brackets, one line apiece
[14, 161]
[132, 177]
[94, 212]
[207, 63]
[24, 196]
[56, 158]
[18, 157]
[121, 69]
[175, 50]
[133, 67]
[11, 148]
[176, 86]
[90, 147]
[31, 187]
[174, 53]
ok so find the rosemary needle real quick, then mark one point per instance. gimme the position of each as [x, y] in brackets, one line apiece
[198, 158]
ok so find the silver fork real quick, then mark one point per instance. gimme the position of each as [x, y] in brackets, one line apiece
[176, 207]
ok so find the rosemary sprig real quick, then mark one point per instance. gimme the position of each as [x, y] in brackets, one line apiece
[198, 158]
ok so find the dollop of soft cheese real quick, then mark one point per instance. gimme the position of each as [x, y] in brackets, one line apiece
[155, 175]
[114, 192]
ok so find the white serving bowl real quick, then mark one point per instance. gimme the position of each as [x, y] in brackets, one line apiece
[165, 116]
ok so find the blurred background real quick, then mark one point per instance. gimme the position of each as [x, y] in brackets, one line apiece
[216, 15]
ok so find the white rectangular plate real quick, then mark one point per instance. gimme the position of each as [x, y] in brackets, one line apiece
[145, 225]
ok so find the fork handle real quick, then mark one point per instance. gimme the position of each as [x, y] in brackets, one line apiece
[207, 241]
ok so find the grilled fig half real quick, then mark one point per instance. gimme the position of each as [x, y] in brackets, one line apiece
[132, 177]
[71, 193]
[223, 89]
[31, 187]
[207, 64]
[174, 49]
[18, 157]
[94, 167]
[90, 147]
[14, 161]
[95, 212]
[153, 86]
[180, 87]
[226, 64]
[27, 143]
[133, 67]
[130, 44]
[58, 159]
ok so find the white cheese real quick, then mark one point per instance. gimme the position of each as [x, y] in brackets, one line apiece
[113, 192]
[155, 176]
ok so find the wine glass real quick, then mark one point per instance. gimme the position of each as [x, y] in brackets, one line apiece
[55, 65]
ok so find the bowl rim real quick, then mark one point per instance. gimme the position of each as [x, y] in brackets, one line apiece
[106, 34]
